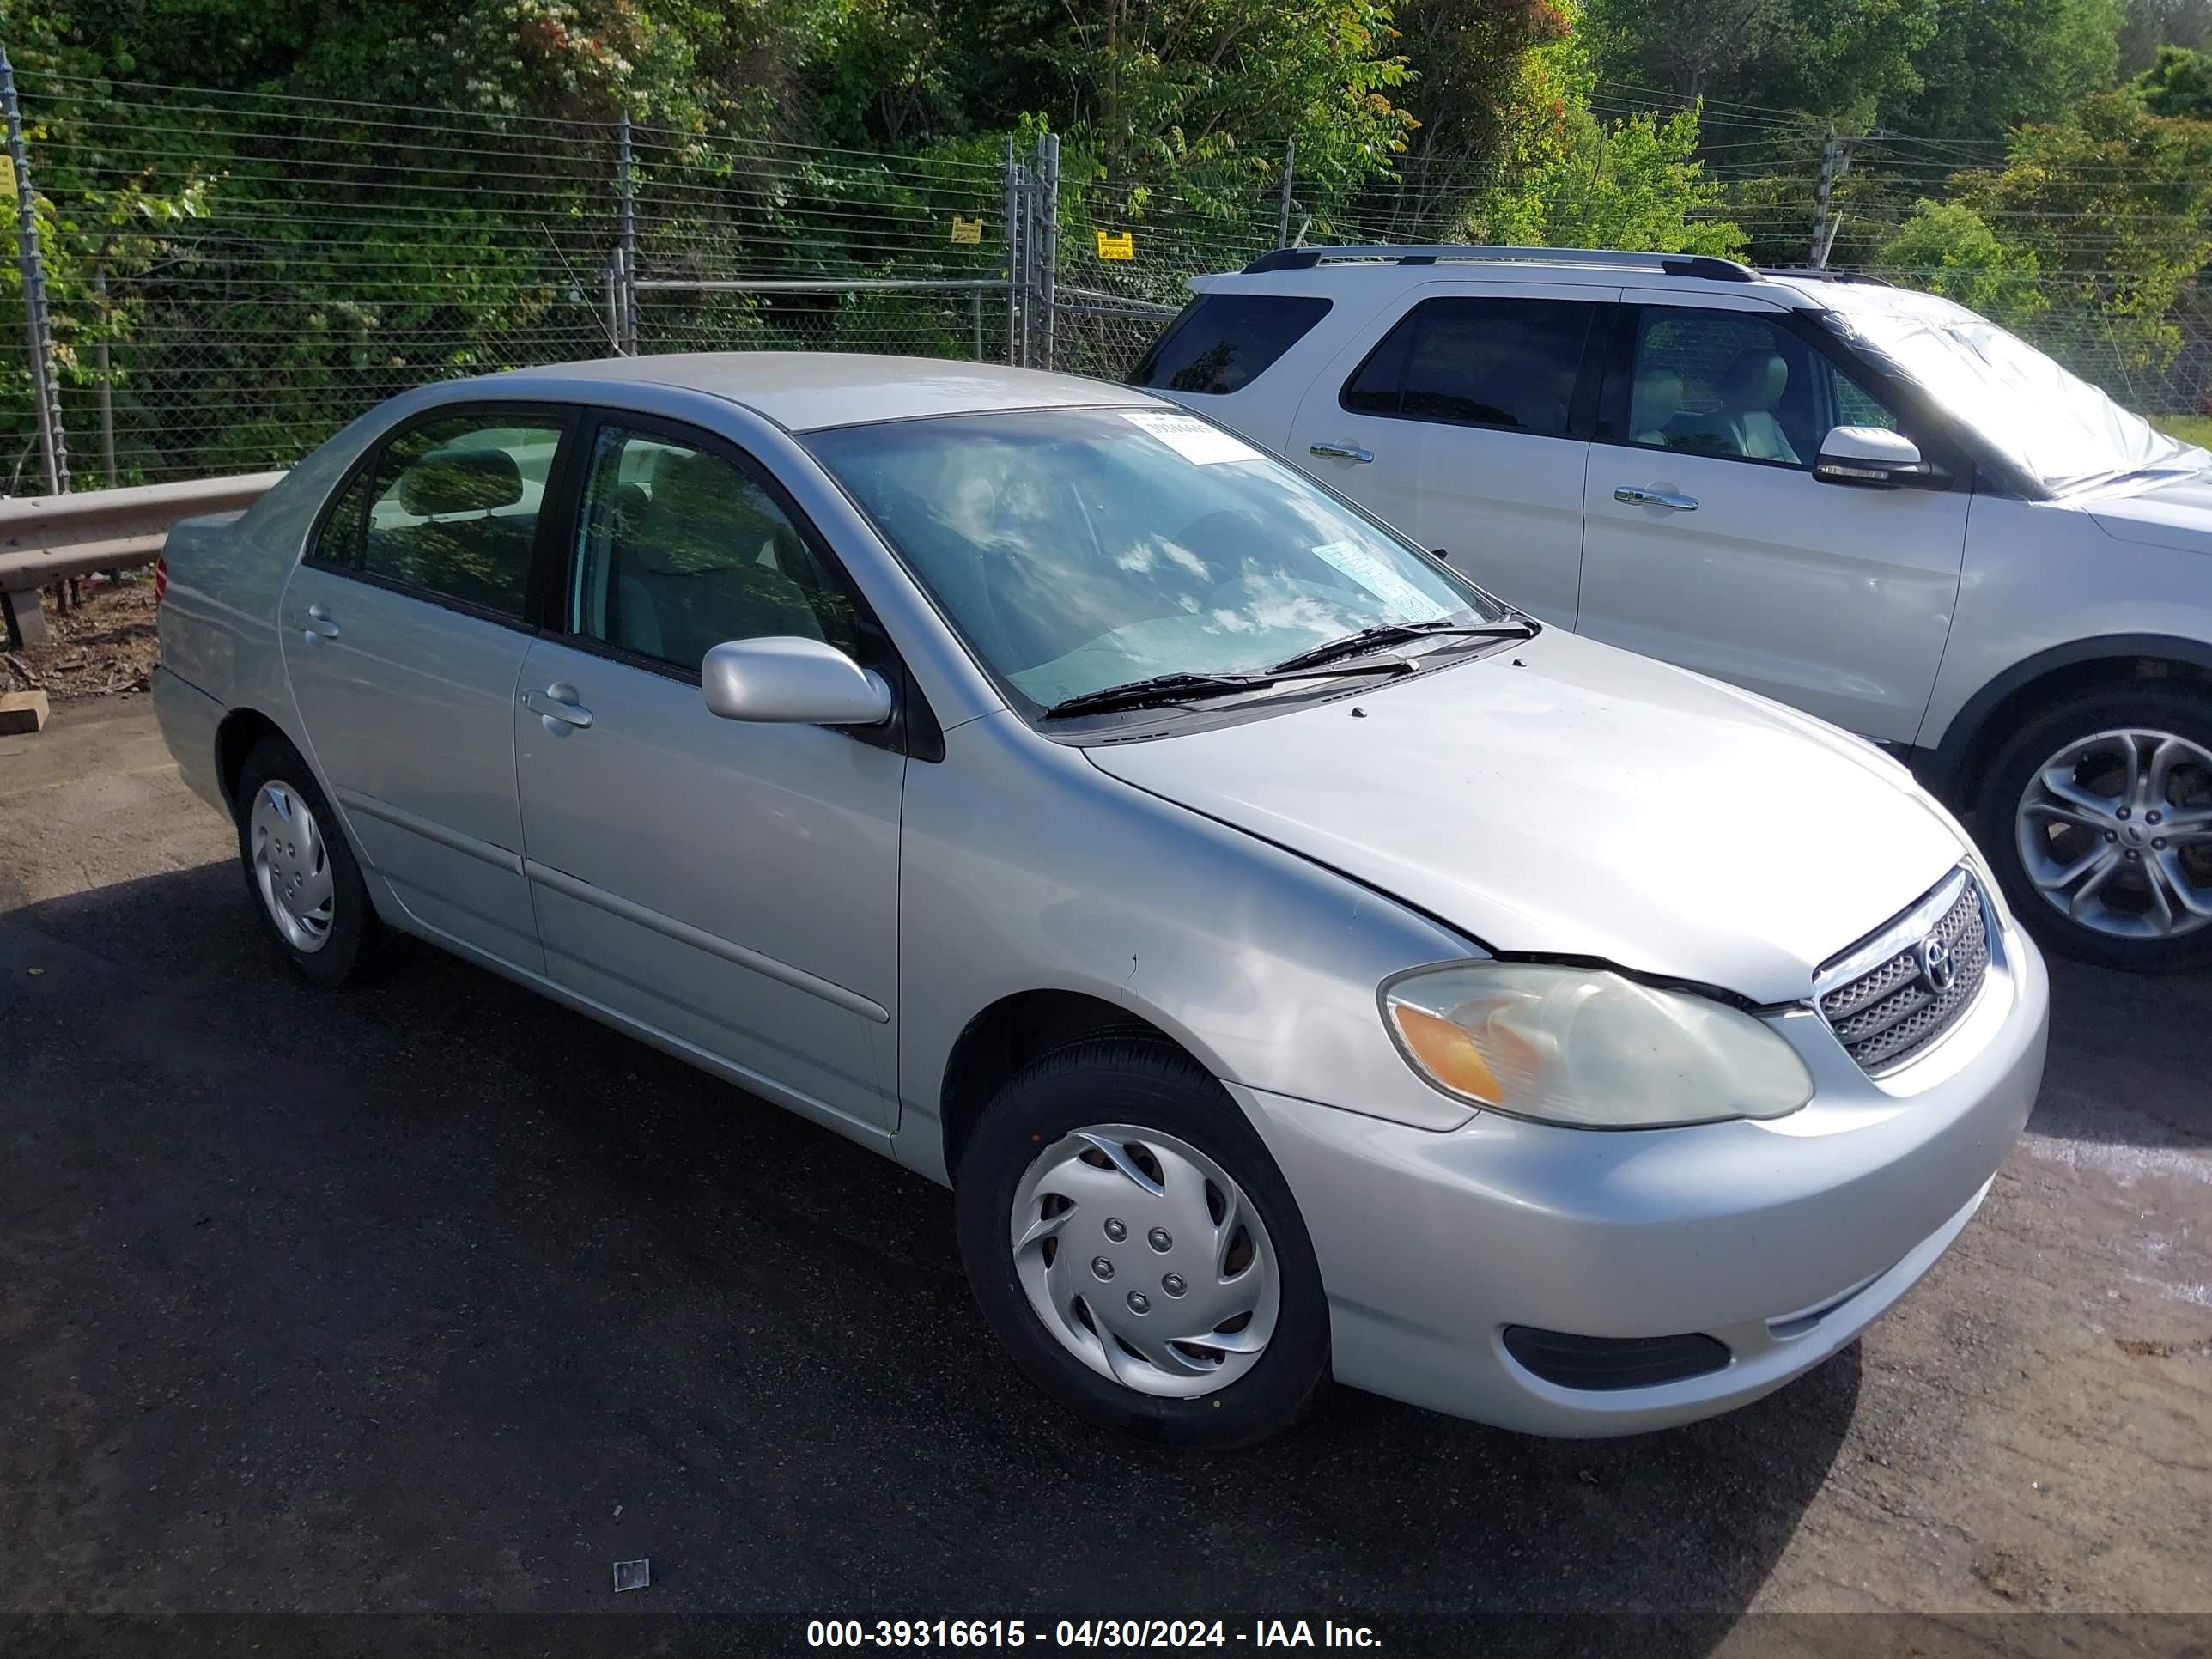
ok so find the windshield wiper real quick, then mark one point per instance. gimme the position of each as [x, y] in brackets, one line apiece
[1370, 639]
[1178, 687]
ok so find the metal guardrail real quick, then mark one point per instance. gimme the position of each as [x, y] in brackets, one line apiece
[51, 538]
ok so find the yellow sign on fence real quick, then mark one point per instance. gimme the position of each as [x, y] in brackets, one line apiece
[1116, 243]
[967, 230]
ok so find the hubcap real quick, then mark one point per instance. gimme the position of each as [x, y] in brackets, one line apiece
[291, 867]
[2116, 832]
[1116, 1200]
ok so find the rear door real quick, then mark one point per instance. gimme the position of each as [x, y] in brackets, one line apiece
[731, 887]
[404, 633]
[1465, 422]
[1708, 542]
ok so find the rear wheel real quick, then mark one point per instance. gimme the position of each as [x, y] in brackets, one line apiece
[1138, 1252]
[299, 870]
[2097, 816]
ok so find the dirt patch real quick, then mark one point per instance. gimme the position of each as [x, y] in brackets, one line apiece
[2142, 1350]
[103, 646]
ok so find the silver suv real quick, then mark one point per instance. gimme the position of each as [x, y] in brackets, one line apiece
[1867, 502]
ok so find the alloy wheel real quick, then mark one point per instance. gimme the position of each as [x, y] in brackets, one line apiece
[2115, 832]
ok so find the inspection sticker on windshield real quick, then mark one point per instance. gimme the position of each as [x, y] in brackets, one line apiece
[1191, 438]
[1372, 573]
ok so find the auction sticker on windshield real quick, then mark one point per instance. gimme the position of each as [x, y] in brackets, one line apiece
[1191, 438]
[1376, 576]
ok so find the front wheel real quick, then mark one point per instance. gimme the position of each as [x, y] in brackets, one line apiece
[1138, 1251]
[2097, 816]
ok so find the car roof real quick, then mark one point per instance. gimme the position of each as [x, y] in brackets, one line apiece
[806, 390]
[1357, 270]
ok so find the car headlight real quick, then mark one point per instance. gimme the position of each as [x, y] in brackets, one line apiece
[1588, 1047]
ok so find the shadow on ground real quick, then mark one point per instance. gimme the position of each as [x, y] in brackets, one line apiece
[433, 1296]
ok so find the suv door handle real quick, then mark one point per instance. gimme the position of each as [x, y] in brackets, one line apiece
[1636, 497]
[1340, 451]
[317, 624]
[557, 707]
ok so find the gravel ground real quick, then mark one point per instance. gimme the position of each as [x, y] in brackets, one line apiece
[433, 1299]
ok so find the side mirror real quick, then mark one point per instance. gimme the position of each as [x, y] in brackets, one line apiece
[1870, 455]
[793, 682]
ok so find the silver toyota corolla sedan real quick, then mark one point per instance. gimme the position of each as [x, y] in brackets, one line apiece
[1297, 962]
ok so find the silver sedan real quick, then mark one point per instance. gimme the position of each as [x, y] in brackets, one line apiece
[1298, 962]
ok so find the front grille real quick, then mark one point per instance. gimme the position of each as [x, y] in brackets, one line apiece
[1613, 1362]
[1893, 1012]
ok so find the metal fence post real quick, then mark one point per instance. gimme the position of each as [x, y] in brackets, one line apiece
[1048, 239]
[106, 376]
[1290, 172]
[1016, 275]
[53, 444]
[628, 255]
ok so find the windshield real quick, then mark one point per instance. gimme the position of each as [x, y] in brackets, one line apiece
[1078, 549]
[2059, 429]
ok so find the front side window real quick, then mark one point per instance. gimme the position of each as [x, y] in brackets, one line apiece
[1497, 362]
[682, 550]
[1737, 386]
[453, 510]
[1080, 549]
[1221, 343]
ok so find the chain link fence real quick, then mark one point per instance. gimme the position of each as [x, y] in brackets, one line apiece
[212, 283]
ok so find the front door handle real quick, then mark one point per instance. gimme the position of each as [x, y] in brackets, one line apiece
[1636, 497]
[1340, 451]
[317, 624]
[557, 707]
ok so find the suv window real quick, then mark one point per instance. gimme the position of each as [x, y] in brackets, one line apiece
[1221, 341]
[1475, 361]
[682, 550]
[453, 510]
[1739, 386]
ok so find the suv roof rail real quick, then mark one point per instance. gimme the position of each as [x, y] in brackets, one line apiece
[1674, 264]
[1821, 274]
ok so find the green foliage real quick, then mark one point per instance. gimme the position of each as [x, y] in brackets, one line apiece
[1633, 184]
[2116, 210]
[1948, 248]
[1995, 64]
[2180, 84]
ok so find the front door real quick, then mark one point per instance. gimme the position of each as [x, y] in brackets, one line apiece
[731, 887]
[1462, 426]
[1707, 541]
[402, 636]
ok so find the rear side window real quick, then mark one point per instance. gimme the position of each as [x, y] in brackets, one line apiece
[1223, 342]
[454, 508]
[1473, 361]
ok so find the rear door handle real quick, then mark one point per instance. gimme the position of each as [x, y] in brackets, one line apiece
[1636, 497]
[557, 707]
[317, 624]
[1340, 451]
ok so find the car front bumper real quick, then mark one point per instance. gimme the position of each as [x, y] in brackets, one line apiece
[1782, 1239]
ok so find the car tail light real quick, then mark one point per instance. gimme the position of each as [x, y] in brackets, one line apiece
[160, 578]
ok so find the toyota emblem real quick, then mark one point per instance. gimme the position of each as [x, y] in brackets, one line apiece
[1936, 967]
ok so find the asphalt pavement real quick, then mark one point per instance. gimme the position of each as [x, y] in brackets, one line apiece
[433, 1299]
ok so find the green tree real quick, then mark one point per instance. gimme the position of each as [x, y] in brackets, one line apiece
[1948, 248]
[1993, 64]
[2180, 84]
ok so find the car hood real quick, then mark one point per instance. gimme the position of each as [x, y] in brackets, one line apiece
[2177, 514]
[1566, 799]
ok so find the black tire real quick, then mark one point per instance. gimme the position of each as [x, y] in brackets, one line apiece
[1146, 1084]
[2013, 769]
[355, 937]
